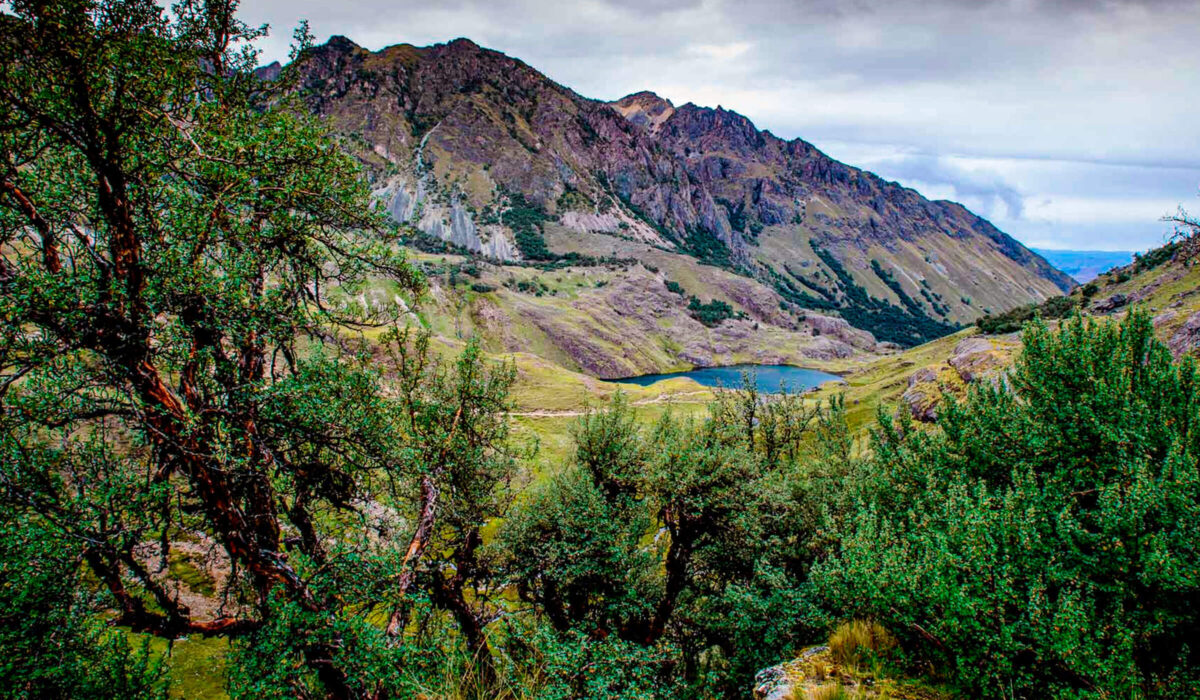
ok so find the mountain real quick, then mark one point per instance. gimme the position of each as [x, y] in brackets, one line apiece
[479, 150]
[1085, 265]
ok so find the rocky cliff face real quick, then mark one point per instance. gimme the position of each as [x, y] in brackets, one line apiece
[467, 142]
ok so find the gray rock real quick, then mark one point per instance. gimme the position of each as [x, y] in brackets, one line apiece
[772, 684]
[923, 375]
[973, 359]
[839, 328]
[775, 682]
[1186, 338]
[974, 344]
[1165, 317]
[922, 402]
[1110, 304]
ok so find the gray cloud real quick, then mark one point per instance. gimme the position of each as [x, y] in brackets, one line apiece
[986, 185]
[1107, 83]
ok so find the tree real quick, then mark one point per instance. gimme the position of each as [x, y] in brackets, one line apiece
[1186, 235]
[688, 537]
[177, 253]
[1042, 543]
[458, 442]
[54, 646]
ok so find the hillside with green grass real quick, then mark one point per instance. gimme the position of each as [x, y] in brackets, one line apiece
[1163, 283]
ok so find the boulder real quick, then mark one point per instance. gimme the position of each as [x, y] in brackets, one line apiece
[1165, 317]
[1187, 338]
[922, 400]
[973, 358]
[1110, 304]
[974, 344]
[781, 682]
[826, 348]
[923, 375]
[839, 328]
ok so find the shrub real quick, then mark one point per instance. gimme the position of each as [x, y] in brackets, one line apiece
[710, 314]
[1013, 319]
[525, 220]
[1042, 543]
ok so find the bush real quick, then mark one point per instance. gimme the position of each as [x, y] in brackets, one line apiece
[1014, 319]
[1043, 542]
[525, 220]
[55, 645]
[710, 314]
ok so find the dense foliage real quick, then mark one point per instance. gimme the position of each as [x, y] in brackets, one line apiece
[525, 220]
[707, 248]
[907, 326]
[733, 497]
[54, 643]
[1043, 542]
[1014, 319]
[711, 313]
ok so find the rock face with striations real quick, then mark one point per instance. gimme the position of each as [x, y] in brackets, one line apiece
[458, 135]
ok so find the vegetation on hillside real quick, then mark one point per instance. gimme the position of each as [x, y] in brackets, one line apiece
[1072, 494]
[1052, 308]
[526, 220]
[907, 325]
[711, 313]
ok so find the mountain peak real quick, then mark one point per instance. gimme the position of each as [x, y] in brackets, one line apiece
[342, 44]
[645, 108]
[463, 44]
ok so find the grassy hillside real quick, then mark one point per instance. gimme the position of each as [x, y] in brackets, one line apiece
[621, 318]
[1167, 288]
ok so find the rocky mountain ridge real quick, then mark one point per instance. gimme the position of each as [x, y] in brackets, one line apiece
[476, 148]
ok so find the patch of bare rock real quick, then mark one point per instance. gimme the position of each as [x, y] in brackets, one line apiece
[973, 359]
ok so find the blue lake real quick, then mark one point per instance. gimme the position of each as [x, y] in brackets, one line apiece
[768, 378]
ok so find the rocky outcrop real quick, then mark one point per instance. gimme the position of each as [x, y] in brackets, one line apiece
[1110, 304]
[973, 359]
[922, 401]
[645, 109]
[1164, 318]
[1187, 338]
[841, 330]
[446, 219]
[781, 682]
[816, 673]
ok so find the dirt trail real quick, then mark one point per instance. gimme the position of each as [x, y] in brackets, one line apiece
[664, 398]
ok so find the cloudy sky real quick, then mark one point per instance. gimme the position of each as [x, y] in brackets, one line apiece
[1070, 124]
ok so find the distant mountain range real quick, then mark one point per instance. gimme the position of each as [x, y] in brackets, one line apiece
[1085, 265]
[481, 151]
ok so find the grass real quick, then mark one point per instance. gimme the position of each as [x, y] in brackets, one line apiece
[196, 665]
[833, 691]
[188, 569]
[881, 381]
[857, 641]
